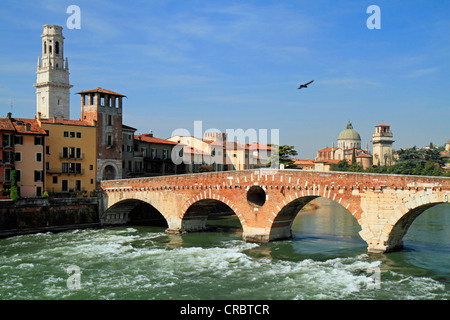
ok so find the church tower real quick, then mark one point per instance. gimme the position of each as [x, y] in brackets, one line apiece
[382, 140]
[52, 85]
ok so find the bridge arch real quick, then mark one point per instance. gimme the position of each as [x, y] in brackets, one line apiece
[394, 232]
[196, 210]
[133, 211]
[282, 223]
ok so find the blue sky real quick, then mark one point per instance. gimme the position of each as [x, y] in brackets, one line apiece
[237, 64]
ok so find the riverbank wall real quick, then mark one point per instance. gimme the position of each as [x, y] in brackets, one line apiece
[27, 216]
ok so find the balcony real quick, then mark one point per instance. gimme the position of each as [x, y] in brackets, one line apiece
[71, 156]
[68, 172]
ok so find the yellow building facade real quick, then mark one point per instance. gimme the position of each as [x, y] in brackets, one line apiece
[70, 156]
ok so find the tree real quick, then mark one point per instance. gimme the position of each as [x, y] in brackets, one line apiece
[282, 155]
[340, 166]
[14, 191]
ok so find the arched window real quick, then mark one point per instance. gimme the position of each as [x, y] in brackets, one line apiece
[56, 47]
[45, 46]
[49, 49]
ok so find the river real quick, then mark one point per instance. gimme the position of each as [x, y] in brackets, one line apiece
[326, 259]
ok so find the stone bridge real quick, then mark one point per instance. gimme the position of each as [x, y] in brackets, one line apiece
[267, 201]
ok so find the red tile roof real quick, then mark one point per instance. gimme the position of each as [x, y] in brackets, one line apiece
[145, 138]
[67, 122]
[304, 162]
[257, 146]
[101, 90]
[20, 125]
[6, 125]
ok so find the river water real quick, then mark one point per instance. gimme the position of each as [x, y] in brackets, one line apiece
[326, 259]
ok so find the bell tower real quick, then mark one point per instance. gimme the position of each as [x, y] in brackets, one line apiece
[382, 140]
[52, 84]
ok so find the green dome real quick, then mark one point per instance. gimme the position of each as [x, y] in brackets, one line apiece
[349, 133]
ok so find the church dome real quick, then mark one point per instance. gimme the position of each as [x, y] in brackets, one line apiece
[349, 133]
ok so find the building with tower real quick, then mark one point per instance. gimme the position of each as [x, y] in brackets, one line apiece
[382, 140]
[52, 84]
[103, 109]
[349, 138]
[349, 143]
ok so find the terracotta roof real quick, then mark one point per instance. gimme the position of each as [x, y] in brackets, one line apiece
[363, 155]
[6, 125]
[101, 90]
[145, 138]
[327, 161]
[67, 122]
[257, 146]
[383, 125]
[304, 162]
[20, 125]
[329, 149]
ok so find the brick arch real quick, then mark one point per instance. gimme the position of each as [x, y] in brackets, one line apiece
[207, 199]
[118, 212]
[283, 219]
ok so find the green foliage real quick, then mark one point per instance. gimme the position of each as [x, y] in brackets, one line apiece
[412, 161]
[14, 191]
[285, 155]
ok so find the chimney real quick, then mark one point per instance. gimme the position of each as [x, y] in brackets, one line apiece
[54, 119]
[9, 115]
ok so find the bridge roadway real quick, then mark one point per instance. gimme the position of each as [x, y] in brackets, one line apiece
[266, 201]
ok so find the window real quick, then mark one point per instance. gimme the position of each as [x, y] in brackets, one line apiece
[18, 156]
[154, 153]
[18, 139]
[7, 156]
[7, 174]
[64, 185]
[38, 157]
[47, 149]
[109, 123]
[91, 167]
[109, 140]
[56, 47]
[78, 134]
[47, 166]
[165, 154]
[7, 141]
[38, 191]
[65, 152]
[72, 134]
[92, 181]
[28, 127]
[38, 141]
[55, 179]
[77, 185]
[38, 175]
[18, 175]
[65, 167]
[66, 134]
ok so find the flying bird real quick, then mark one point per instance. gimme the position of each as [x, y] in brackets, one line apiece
[305, 85]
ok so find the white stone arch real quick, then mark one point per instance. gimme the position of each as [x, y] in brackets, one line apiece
[104, 165]
[404, 215]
